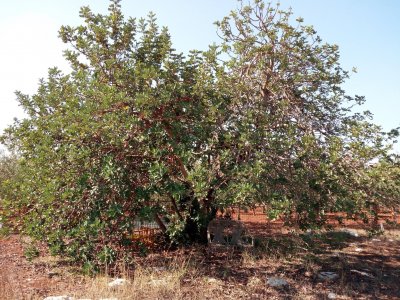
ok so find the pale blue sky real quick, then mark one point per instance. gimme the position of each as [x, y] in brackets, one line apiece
[367, 32]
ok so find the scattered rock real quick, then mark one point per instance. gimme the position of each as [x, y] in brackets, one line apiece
[351, 232]
[308, 274]
[358, 250]
[118, 282]
[53, 273]
[277, 282]
[159, 269]
[331, 296]
[309, 232]
[328, 275]
[59, 298]
[390, 240]
[254, 281]
[212, 280]
[376, 240]
[362, 273]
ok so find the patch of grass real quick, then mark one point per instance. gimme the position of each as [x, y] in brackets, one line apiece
[375, 232]
[31, 252]
[4, 231]
[145, 283]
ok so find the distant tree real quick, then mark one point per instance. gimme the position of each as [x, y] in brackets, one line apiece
[137, 130]
[381, 185]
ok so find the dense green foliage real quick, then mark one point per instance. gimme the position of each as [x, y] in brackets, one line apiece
[139, 131]
[8, 170]
[8, 174]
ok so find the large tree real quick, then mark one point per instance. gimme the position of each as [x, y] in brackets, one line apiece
[137, 130]
[295, 118]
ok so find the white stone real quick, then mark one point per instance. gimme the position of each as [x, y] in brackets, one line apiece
[211, 280]
[277, 282]
[118, 282]
[351, 232]
[358, 249]
[254, 281]
[328, 275]
[331, 296]
[59, 298]
[362, 273]
[309, 232]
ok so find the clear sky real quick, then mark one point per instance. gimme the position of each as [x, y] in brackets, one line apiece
[367, 32]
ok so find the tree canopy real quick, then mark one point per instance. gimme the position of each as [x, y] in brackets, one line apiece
[138, 130]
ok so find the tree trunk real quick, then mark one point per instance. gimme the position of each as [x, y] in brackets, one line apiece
[160, 223]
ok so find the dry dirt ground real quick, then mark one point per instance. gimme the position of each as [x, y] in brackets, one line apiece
[367, 268]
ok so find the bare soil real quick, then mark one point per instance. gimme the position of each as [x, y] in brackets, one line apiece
[368, 268]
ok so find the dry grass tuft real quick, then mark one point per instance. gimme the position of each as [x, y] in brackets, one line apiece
[225, 272]
[146, 283]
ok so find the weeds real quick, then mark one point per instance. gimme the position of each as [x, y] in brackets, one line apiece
[162, 282]
[375, 232]
[31, 252]
[237, 273]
